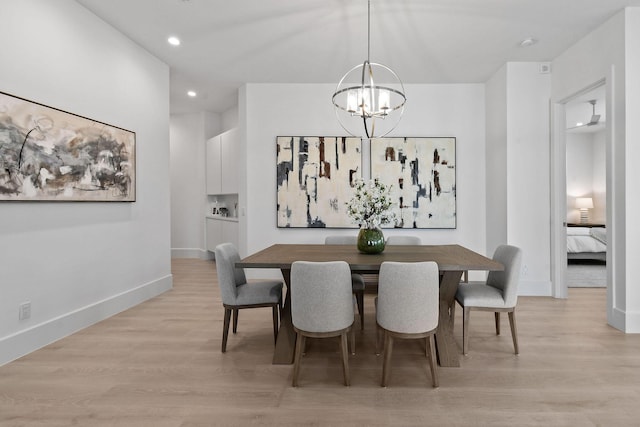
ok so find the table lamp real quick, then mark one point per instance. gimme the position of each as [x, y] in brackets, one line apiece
[584, 204]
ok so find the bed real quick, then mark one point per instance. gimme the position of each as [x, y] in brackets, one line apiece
[588, 243]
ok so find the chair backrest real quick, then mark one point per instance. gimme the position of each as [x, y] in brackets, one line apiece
[408, 296]
[341, 240]
[321, 296]
[507, 281]
[229, 277]
[403, 240]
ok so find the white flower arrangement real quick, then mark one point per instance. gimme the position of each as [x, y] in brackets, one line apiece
[371, 204]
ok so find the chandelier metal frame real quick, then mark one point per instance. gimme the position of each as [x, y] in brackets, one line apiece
[369, 101]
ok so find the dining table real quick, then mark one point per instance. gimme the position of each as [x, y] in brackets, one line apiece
[453, 261]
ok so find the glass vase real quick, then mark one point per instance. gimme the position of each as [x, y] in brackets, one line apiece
[370, 240]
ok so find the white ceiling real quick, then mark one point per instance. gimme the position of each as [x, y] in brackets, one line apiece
[226, 43]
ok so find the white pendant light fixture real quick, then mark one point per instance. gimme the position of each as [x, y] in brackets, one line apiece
[362, 101]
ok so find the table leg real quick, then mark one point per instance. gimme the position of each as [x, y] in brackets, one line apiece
[446, 344]
[286, 342]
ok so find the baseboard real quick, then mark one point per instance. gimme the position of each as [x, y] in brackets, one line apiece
[191, 253]
[24, 342]
[627, 322]
[617, 319]
[528, 288]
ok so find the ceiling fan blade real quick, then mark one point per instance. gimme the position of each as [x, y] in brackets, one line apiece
[595, 118]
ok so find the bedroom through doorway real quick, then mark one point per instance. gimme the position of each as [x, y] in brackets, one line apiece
[585, 141]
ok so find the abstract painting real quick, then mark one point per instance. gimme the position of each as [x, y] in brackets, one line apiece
[422, 173]
[48, 154]
[315, 179]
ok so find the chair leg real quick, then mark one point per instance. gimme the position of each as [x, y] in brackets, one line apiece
[497, 314]
[235, 320]
[465, 329]
[378, 332]
[345, 358]
[360, 302]
[274, 311]
[431, 354]
[386, 364]
[296, 361]
[352, 333]
[514, 332]
[225, 328]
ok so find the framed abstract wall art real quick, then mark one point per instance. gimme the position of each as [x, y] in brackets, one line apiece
[315, 178]
[422, 172]
[47, 154]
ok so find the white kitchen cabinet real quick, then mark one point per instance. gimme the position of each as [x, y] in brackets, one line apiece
[230, 149]
[230, 232]
[214, 166]
[221, 230]
[214, 233]
[223, 156]
[222, 165]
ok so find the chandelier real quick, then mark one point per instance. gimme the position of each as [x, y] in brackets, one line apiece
[360, 99]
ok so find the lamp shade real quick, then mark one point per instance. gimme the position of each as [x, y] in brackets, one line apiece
[584, 203]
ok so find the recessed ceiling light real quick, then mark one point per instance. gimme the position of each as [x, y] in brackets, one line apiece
[174, 41]
[192, 93]
[529, 41]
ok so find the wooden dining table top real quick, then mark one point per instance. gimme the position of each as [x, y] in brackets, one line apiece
[448, 257]
[452, 261]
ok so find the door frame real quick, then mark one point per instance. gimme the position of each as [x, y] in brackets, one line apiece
[558, 181]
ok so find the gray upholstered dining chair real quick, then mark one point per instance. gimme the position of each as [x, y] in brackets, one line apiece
[407, 307]
[322, 307]
[498, 294]
[237, 294]
[403, 240]
[357, 280]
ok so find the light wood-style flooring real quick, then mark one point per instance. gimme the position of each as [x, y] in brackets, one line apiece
[159, 364]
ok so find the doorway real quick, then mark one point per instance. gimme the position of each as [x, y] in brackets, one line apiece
[585, 145]
[579, 185]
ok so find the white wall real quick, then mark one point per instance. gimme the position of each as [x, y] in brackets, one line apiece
[528, 194]
[612, 53]
[188, 134]
[599, 178]
[270, 110]
[496, 155]
[79, 263]
[632, 171]
[229, 119]
[586, 174]
[518, 169]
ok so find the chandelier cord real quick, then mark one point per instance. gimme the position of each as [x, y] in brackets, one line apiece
[364, 68]
[368, 30]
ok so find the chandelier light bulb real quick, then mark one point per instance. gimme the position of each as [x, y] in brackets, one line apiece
[361, 104]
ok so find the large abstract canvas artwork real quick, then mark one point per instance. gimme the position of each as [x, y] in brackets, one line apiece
[315, 178]
[48, 154]
[422, 173]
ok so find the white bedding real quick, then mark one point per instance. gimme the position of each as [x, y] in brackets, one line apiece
[585, 239]
[599, 233]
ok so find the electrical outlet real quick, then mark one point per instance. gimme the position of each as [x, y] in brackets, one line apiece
[24, 312]
[525, 270]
